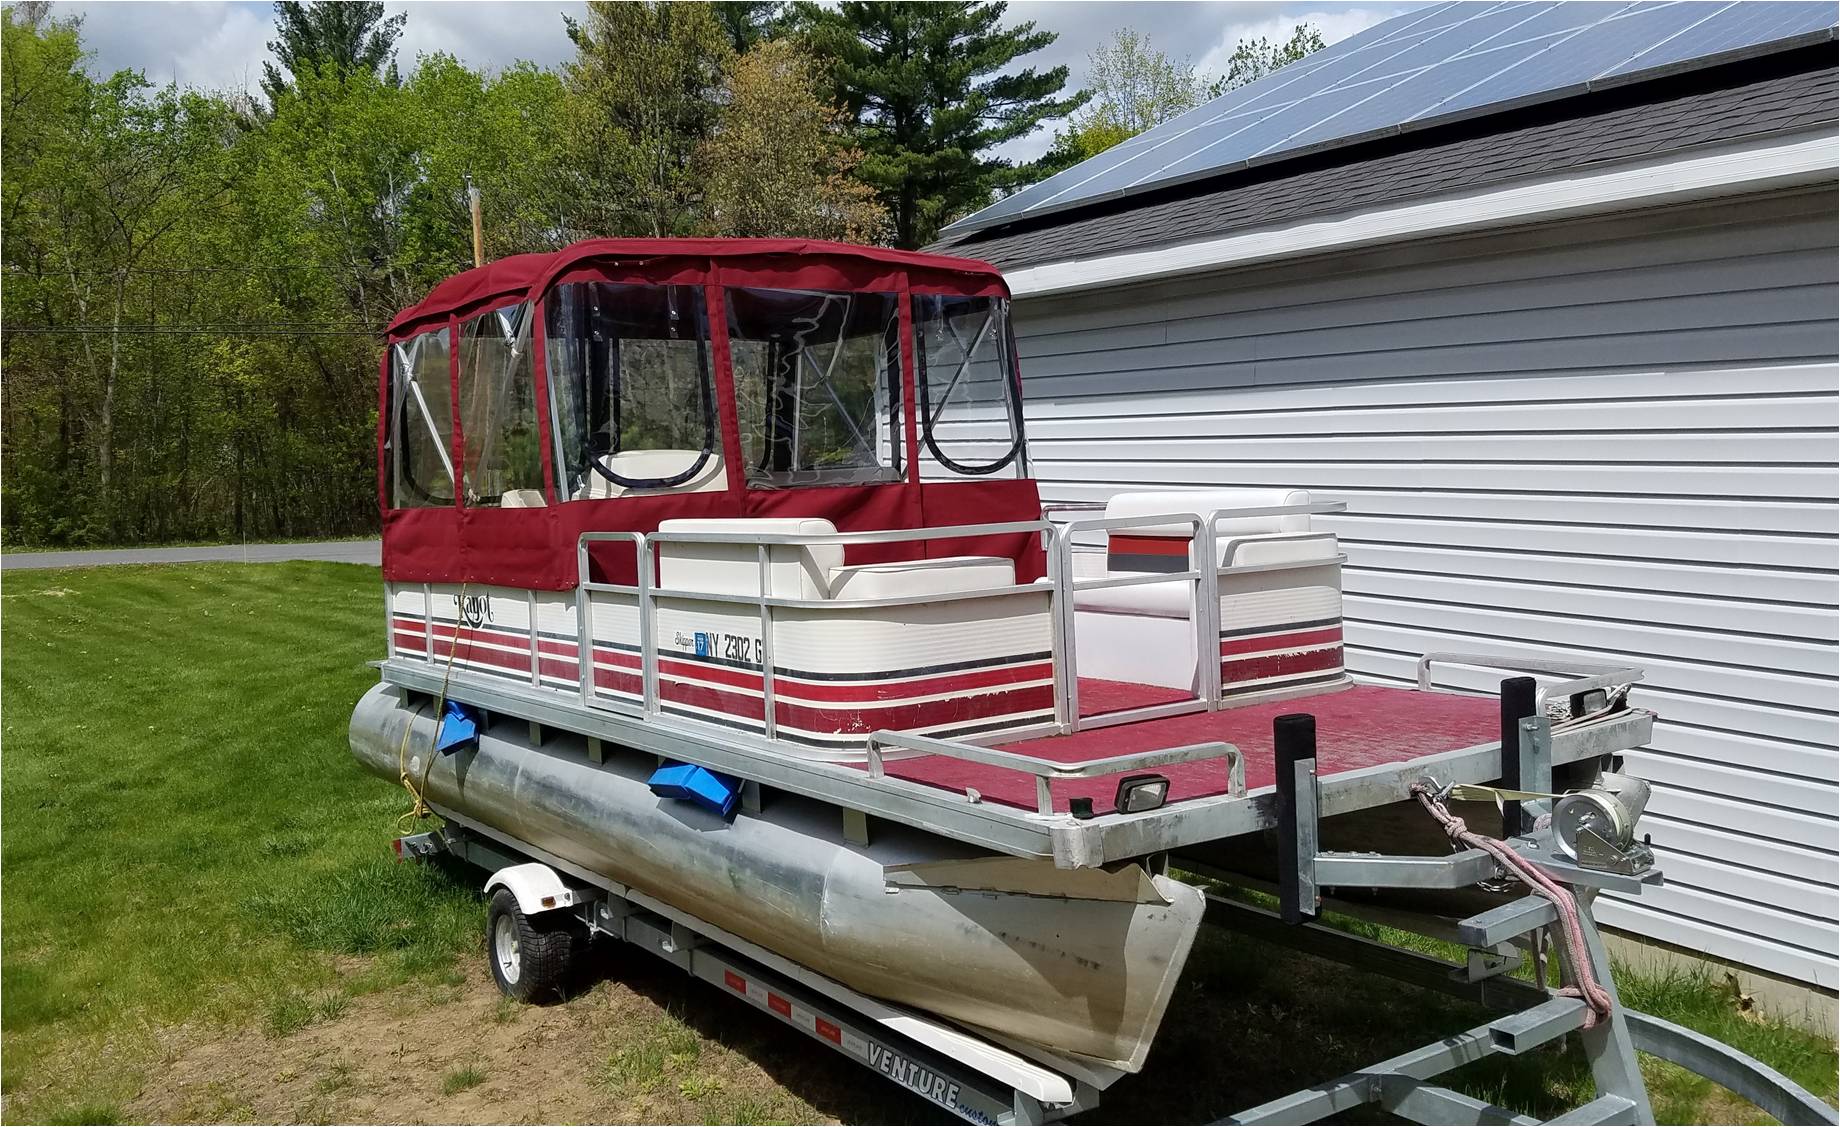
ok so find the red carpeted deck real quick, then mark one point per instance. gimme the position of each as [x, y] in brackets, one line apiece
[1098, 697]
[1360, 726]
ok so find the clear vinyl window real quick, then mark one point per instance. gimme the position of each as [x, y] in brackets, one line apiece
[971, 413]
[420, 453]
[499, 433]
[629, 373]
[817, 385]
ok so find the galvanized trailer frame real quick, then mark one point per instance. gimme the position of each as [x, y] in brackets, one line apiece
[981, 1081]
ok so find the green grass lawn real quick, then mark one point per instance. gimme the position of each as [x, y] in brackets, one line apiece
[188, 846]
[187, 838]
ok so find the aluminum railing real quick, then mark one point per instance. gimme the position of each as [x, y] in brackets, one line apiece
[1060, 586]
[1047, 770]
[647, 592]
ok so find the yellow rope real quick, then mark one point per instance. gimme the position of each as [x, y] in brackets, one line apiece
[419, 808]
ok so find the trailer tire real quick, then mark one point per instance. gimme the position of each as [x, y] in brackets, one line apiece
[532, 958]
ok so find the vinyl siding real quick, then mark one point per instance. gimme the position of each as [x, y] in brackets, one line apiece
[1613, 439]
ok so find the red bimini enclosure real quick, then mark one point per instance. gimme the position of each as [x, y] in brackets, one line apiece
[620, 382]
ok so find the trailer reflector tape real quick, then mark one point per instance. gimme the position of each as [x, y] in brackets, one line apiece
[779, 1005]
[734, 982]
[829, 1032]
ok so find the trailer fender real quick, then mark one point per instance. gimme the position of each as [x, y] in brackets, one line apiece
[537, 887]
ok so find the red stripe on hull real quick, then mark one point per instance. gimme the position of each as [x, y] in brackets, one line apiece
[864, 693]
[477, 656]
[629, 683]
[1280, 665]
[855, 721]
[1296, 640]
[923, 714]
[550, 667]
[617, 657]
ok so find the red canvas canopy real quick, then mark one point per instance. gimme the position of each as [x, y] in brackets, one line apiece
[792, 262]
[535, 546]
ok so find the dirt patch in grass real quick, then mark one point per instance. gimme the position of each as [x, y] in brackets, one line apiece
[412, 1054]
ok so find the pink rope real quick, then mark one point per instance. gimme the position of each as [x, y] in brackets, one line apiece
[1571, 931]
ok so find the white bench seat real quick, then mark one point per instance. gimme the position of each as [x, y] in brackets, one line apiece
[811, 571]
[1277, 574]
[907, 578]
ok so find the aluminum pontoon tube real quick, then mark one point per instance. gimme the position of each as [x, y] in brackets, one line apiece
[1076, 961]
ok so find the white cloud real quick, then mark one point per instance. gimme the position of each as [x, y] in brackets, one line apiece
[222, 46]
[219, 46]
[491, 34]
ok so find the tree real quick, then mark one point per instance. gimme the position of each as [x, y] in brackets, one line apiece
[143, 163]
[1134, 87]
[778, 162]
[507, 133]
[1253, 59]
[932, 89]
[351, 36]
[748, 22]
[643, 95]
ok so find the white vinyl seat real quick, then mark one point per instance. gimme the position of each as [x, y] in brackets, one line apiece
[922, 577]
[1145, 632]
[653, 465]
[810, 571]
[521, 499]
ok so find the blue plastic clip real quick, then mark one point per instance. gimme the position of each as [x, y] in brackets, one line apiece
[459, 727]
[717, 793]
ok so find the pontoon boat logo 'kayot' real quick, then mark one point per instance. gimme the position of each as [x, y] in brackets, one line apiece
[475, 609]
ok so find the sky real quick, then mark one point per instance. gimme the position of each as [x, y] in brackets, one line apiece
[222, 45]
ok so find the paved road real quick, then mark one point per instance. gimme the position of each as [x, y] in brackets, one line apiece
[338, 551]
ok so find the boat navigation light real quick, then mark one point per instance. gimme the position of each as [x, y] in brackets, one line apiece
[1137, 793]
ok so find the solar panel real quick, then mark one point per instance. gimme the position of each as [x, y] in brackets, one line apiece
[1438, 63]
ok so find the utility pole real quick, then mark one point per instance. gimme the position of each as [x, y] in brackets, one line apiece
[479, 237]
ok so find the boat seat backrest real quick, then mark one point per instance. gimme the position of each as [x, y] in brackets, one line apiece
[1134, 547]
[794, 571]
[652, 465]
[907, 578]
[811, 571]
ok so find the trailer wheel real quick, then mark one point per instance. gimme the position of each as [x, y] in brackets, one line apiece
[532, 957]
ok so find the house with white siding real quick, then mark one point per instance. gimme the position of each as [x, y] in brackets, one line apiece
[1569, 356]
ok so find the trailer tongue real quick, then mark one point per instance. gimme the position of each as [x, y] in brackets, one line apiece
[953, 789]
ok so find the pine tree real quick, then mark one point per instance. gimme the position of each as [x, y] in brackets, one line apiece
[932, 91]
[645, 89]
[748, 22]
[352, 37]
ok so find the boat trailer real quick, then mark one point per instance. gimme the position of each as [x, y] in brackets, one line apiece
[675, 539]
[1580, 841]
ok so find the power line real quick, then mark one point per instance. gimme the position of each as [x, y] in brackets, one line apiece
[185, 330]
[453, 266]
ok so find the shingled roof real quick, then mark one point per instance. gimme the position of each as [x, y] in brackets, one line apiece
[1790, 92]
